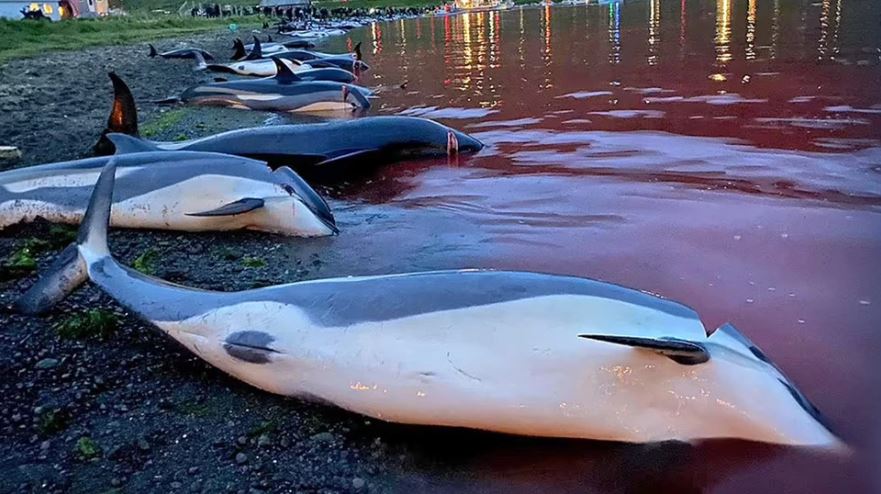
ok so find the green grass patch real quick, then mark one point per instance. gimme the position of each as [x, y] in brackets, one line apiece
[146, 262]
[94, 323]
[22, 261]
[253, 262]
[27, 39]
[52, 421]
[163, 123]
[87, 449]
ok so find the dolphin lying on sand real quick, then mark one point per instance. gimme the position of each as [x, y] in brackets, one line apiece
[284, 92]
[336, 144]
[268, 67]
[168, 190]
[256, 62]
[180, 53]
[512, 352]
[242, 51]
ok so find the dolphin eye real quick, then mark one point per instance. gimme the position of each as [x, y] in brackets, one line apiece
[288, 189]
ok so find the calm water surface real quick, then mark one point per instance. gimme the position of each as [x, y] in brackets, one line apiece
[725, 154]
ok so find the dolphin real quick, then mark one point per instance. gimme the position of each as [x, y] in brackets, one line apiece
[511, 352]
[284, 92]
[171, 190]
[180, 53]
[335, 144]
[242, 50]
[266, 67]
[352, 62]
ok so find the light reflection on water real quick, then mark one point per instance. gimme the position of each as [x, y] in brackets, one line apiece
[725, 153]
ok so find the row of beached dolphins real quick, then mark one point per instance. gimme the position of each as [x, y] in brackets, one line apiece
[513, 352]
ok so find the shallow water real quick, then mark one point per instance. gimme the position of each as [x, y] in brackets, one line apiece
[724, 154]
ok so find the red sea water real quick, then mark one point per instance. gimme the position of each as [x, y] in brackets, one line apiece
[726, 154]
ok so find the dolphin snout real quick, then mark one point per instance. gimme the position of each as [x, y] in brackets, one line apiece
[466, 143]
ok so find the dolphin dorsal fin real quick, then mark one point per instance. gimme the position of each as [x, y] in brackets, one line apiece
[123, 116]
[257, 51]
[283, 72]
[127, 144]
[239, 48]
[269, 38]
[153, 51]
[357, 51]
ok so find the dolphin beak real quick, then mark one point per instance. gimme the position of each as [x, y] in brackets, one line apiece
[465, 143]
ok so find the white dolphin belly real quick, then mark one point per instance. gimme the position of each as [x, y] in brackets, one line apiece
[516, 367]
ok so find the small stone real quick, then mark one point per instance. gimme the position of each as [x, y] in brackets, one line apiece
[176, 485]
[323, 437]
[263, 440]
[47, 363]
[242, 440]
[193, 470]
[241, 458]
[16, 418]
[45, 445]
[115, 482]
[358, 483]
[143, 445]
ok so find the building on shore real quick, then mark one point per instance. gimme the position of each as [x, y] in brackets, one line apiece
[53, 9]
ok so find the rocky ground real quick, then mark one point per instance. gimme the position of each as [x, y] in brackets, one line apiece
[109, 405]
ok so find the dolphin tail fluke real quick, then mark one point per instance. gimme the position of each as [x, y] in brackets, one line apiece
[70, 269]
[91, 240]
[123, 117]
[153, 53]
[66, 273]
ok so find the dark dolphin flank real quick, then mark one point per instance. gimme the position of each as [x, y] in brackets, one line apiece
[250, 346]
[345, 302]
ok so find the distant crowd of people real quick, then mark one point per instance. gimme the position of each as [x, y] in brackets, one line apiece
[301, 13]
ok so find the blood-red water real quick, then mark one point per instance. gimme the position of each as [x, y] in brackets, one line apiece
[724, 154]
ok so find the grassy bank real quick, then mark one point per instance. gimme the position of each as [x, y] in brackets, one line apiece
[25, 39]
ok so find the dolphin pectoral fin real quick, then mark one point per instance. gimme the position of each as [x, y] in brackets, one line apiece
[238, 207]
[128, 144]
[680, 351]
[348, 157]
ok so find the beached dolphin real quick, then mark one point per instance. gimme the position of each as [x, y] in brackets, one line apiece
[512, 352]
[292, 43]
[241, 50]
[284, 92]
[268, 67]
[351, 62]
[255, 50]
[362, 143]
[167, 190]
[180, 53]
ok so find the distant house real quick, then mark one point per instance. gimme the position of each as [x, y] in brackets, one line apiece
[54, 9]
